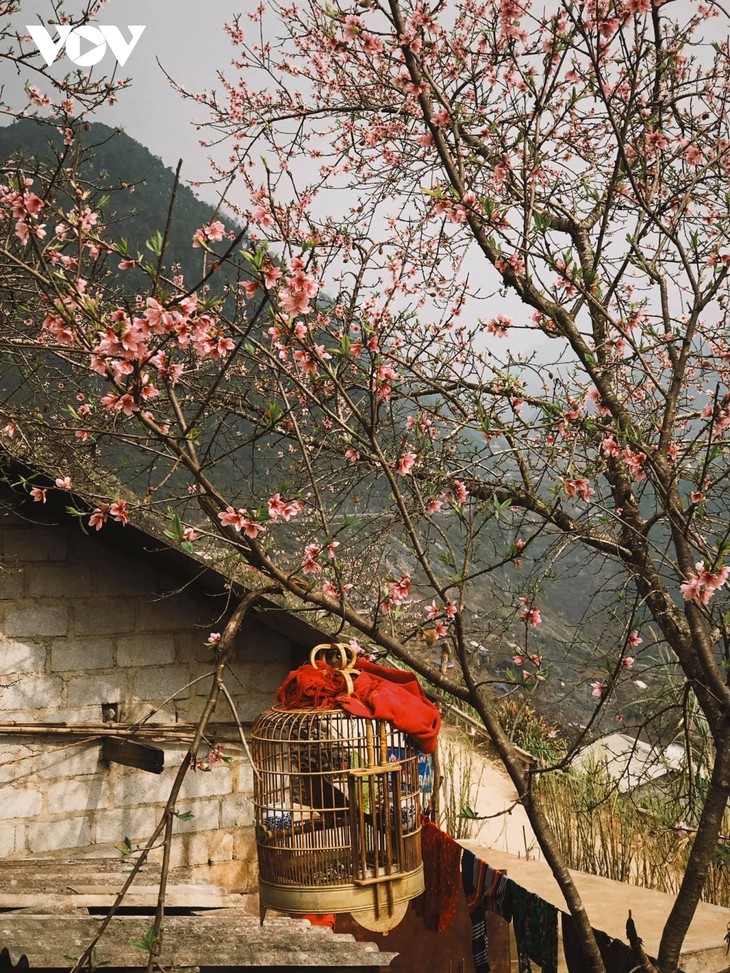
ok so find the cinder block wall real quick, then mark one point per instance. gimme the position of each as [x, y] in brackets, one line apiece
[81, 625]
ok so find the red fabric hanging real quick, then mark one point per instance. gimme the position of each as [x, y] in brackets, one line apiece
[441, 875]
[379, 693]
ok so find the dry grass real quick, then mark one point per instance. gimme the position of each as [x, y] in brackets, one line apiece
[606, 833]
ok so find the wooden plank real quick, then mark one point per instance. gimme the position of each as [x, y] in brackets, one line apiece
[181, 900]
[119, 750]
[230, 940]
[205, 892]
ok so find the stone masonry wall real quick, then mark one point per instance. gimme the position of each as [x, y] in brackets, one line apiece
[83, 625]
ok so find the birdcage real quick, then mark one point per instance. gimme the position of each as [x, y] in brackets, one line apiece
[337, 807]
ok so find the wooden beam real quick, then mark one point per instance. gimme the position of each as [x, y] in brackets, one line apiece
[121, 751]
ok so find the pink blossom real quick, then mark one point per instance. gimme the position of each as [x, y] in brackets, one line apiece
[519, 660]
[118, 511]
[352, 455]
[211, 232]
[405, 463]
[276, 506]
[434, 506]
[703, 585]
[251, 529]
[262, 216]
[38, 494]
[627, 662]
[460, 491]
[98, 516]
[579, 485]
[610, 447]
[635, 638]
[531, 616]
[692, 155]
[272, 273]
[635, 460]
[432, 611]
[215, 231]
[311, 565]
[63, 482]
[214, 638]
[294, 302]
[598, 688]
[399, 590]
[500, 326]
[236, 519]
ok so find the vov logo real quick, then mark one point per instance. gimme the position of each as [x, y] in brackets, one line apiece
[98, 36]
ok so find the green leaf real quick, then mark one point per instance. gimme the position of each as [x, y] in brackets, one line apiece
[177, 528]
[155, 243]
[185, 815]
[125, 848]
[499, 507]
[273, 412]
[148, 943]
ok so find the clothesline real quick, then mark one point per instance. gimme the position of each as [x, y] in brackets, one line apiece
[450, 869]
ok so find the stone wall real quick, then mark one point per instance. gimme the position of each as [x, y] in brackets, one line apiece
[83, 625]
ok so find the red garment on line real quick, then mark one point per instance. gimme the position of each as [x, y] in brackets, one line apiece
[379, 694]
[441, 875]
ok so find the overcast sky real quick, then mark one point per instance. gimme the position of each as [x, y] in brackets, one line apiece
[186, 39]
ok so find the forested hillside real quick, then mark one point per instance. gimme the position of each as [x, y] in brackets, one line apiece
[138, 185]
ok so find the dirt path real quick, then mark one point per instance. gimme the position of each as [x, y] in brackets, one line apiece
[492, 795]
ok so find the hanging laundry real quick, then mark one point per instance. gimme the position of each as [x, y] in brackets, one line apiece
[495, 896]
[616, 955]
[485, 888]
[441, 861]
[536, 929]
[473, 878]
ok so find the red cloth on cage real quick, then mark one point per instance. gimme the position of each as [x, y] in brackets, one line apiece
[379, 694]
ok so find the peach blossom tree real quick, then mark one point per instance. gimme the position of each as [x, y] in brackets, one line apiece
[478, 314]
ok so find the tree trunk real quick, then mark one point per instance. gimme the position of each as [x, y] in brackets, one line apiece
[545, 836]
[700, 857]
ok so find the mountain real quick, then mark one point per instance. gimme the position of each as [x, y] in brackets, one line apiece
[138, 186]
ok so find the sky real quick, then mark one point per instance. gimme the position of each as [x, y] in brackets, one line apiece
[186, 39]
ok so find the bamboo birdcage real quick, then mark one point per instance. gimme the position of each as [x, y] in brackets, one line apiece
[338, 817]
